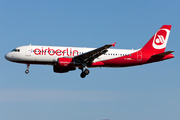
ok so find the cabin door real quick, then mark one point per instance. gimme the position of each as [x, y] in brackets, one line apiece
[139, 55]
[28, 50]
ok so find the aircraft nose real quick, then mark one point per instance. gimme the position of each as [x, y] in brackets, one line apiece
[7, 56]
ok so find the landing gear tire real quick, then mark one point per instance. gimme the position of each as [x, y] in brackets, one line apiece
[27, 71]
[83, 75]
[86, 71]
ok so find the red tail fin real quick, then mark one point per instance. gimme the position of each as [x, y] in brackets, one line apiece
[157, 43]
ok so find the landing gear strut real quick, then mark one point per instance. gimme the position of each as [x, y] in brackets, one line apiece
[84, 73]
[27, 71]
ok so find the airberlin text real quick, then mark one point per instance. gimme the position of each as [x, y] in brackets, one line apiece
[58, 52]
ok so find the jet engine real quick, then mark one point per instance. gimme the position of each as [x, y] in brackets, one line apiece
[64, 65]
[65, 62]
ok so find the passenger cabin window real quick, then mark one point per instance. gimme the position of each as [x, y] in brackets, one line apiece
[15, 50]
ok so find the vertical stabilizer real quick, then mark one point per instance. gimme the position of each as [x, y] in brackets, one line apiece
[157, 43]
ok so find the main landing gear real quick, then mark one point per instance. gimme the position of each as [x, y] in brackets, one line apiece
[84, 73]
[27, 71]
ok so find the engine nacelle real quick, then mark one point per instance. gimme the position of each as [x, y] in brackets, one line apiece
[58, 69]
[64, 65]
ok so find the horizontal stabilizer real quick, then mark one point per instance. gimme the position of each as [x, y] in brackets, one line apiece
[163, 54]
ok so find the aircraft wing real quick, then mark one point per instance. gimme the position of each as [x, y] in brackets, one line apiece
[88, 57]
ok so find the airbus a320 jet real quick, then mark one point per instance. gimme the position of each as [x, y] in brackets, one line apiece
[65, 59]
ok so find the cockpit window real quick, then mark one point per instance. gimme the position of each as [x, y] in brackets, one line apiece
[15, 50]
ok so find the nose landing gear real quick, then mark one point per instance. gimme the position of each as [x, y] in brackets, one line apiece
[27, 71]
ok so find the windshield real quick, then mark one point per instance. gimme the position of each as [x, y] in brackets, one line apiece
[15, 50]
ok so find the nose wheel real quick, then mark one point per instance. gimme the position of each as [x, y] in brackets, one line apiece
[27, 71]
[84, 73]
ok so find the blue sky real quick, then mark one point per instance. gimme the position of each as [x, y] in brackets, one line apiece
[143, 92]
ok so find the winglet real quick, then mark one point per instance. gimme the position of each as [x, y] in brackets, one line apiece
[113, 44]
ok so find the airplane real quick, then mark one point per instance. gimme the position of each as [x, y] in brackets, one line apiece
[65, 59]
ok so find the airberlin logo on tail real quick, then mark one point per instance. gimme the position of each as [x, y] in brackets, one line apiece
[160, 39]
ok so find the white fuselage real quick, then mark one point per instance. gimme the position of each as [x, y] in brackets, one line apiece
[50, 54]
